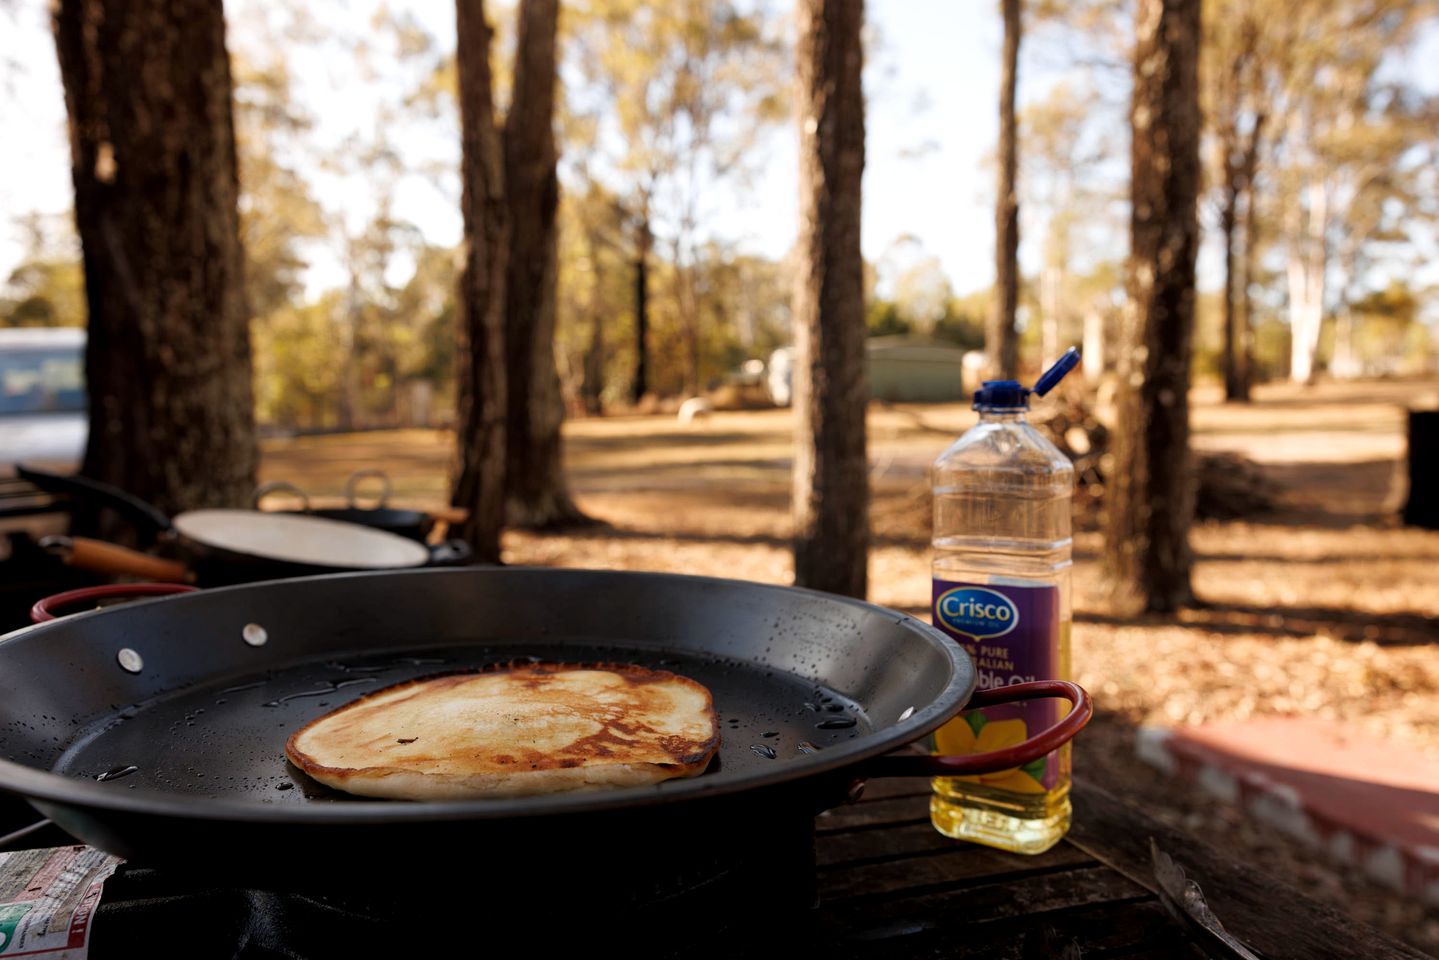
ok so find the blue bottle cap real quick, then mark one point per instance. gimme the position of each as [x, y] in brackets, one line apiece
[1001, 395]
[1051, 377]
[1011, 395]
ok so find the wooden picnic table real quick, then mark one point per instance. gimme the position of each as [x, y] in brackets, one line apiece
[891, 886]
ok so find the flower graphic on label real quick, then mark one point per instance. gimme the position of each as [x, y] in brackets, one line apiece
[976, 612]
[973, 732]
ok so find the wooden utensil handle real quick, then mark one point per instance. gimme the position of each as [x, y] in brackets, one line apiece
[454, 516]
[102, 557]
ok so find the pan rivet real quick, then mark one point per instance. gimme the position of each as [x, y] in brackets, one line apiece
[254, 634]
[130, 660]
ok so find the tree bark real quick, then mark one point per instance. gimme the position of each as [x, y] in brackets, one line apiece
[536, 495]
[1001, 340]
[1151, 498]
[687, 305]
[1234, 389]
[1250, 266]
[593, 386]
[831, 471]
[479, 485]
[152, 145]
[1308, 257]
[1243, 328]
[644, 240]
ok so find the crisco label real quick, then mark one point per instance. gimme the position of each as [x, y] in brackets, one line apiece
[976, 612]
[1012, 633]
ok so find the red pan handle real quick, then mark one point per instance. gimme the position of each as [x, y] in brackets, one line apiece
[1041, 744]
[53, 606]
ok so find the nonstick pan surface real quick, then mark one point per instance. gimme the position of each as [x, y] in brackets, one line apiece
[223, 677]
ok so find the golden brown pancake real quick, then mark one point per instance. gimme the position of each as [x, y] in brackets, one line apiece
[515, 730]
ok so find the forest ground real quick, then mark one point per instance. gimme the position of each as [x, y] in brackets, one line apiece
[1326, 607]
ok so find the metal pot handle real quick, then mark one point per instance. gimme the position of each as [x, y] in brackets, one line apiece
[352, 488]
[280, 486]
[450, 553]
[50, 607]
[1041, 744]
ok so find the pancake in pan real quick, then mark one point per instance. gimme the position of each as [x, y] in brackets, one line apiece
[514, 730]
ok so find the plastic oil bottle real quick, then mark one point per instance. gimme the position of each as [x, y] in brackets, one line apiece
[1001, 589]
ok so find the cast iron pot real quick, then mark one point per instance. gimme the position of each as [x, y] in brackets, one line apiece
[217, 547]
[411, 524]
[155, 730]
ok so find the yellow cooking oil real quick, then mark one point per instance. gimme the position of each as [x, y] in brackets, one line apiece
[1001, 590]
[1010, 809]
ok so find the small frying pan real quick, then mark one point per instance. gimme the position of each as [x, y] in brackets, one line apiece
[233, 546]
[411, 524]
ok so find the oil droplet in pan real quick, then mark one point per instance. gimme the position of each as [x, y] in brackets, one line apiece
[763, 750]
[836, 723]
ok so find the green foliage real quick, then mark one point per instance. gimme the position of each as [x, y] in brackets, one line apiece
[1208, 337]
[297, 382]
[277, 212]
[47, 287]
[47, 292]
[1271, 348]
[883, 319]
[965, 330]
[671, 100]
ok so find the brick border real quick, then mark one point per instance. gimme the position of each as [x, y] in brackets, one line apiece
[1408, 870]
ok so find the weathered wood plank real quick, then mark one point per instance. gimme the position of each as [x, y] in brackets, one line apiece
[960, 867]
[1270, 916]
[889, 788]
[902, 840]
[960, 863]
[895, 810]
[1131, 929]
[910, 908]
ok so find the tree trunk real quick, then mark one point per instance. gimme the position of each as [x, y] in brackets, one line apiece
[1151, 498]
[1344, 365]
[1250, 266]
[152, 145]
[689, 312]
[831, 471]
[1421, 508]
[1001, 340]
[644, 240]
[593, 386]
[350, 354]
[1309, 224]
[536, 494]
[479, 486]
[1244, 309]
[1092, 353]
[1234, 388]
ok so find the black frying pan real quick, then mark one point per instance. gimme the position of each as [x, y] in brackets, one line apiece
[234, 546]
[155, 729]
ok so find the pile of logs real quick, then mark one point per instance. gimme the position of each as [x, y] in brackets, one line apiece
[1229, 487]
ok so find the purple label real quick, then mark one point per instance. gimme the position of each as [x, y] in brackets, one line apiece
[1013, 635]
